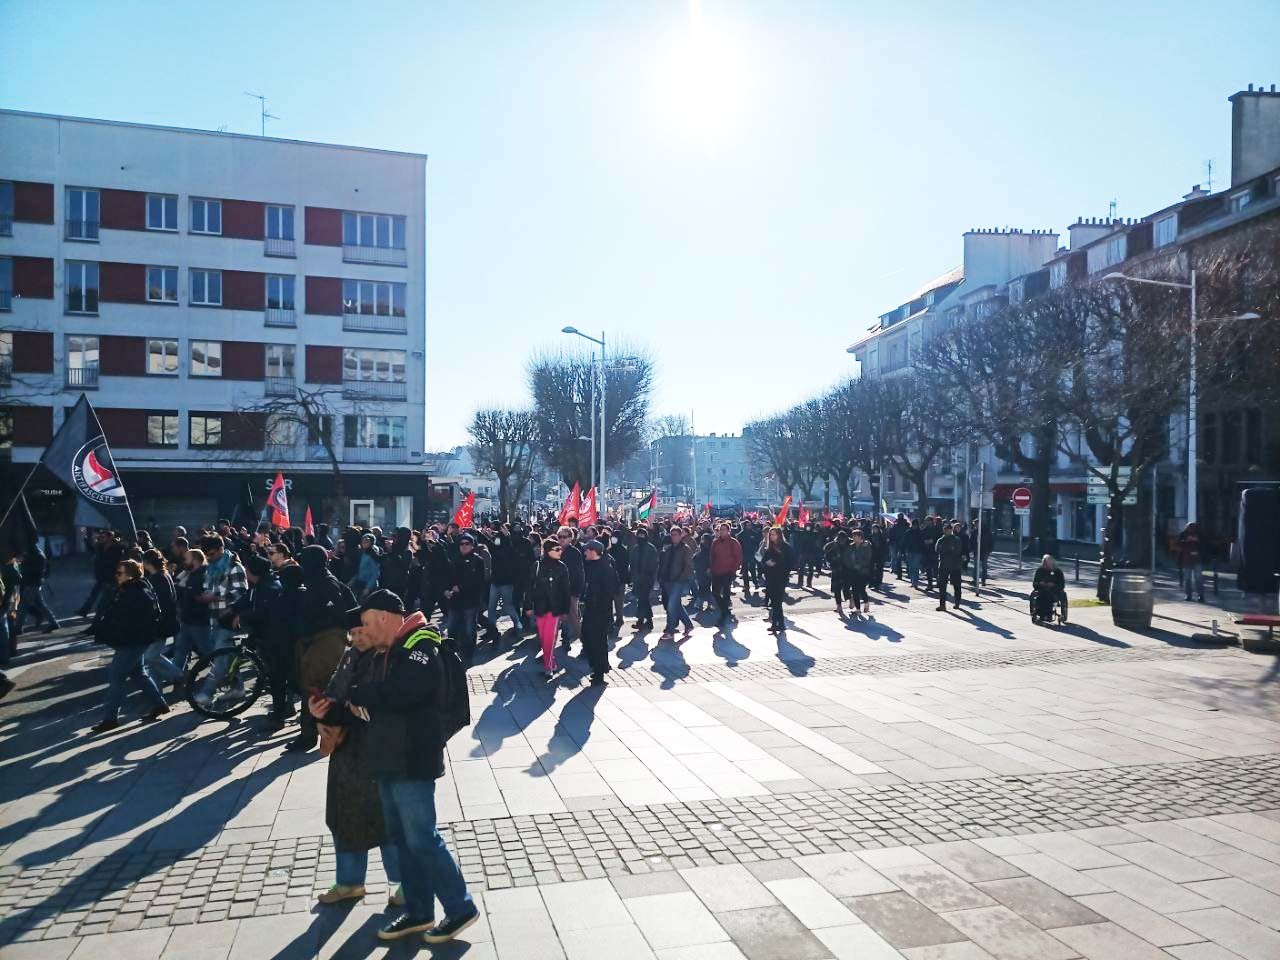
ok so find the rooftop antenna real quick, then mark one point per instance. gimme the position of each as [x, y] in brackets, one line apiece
[1112, 214]
[1209, 180]
[262, 105]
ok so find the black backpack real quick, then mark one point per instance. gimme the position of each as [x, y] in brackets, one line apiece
[453, 701]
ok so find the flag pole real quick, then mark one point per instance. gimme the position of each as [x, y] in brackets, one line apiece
[18, 496]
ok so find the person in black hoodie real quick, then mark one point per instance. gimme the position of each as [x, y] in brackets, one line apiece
[259, 611]
[601, 584]
[397, 563]
[525, 557]
[644, 570]
[502, 584]
[468, 589]
[322, 633]
[162, 669]
[571, 556]
[776, 561]
[128, 626]
[621, 557]
[434, 566]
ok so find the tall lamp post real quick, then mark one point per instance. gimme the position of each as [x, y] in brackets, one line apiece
[600, 494]
[1192, 424]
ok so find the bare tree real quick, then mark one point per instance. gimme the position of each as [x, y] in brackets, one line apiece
[561, 385]
[922, 426]
[502, 441]
[308, 413]
[670, 425]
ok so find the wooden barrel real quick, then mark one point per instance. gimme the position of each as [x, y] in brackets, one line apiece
[1131, 599]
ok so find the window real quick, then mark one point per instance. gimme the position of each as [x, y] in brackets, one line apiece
[364, 364]
[82, 287]
[162, 284]
[6, 283]
[373, 298]
[162, 212]
[206, 216]
[162, 429]
[6, 208]
[382, 432]
[279, 223]
[279, 292]
[82, 353]
[6, 356]
[280, 360]
[280, 428]
[6, 429]
[206, 287]
[373, 230]
[1241, 200]
[1057, 274]
[1166, 230]
[1115, 249]
[205, 431]
[82, 214]
[162, 357]
[206, 358]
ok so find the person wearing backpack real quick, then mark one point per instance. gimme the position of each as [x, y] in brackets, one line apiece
[415, 697]
[129, 626]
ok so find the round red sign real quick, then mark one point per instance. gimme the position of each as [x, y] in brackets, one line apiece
[1022, 498]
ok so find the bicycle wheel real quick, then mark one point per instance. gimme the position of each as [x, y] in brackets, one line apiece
[226, 682]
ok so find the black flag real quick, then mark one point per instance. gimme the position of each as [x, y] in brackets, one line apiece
[17, 531]
[79, 456]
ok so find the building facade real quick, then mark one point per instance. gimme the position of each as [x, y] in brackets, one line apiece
[713, 468]
[233, 305]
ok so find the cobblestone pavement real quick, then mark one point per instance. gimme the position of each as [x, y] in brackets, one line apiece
[918, 785]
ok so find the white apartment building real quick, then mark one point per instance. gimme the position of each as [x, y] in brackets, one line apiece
[197, 286]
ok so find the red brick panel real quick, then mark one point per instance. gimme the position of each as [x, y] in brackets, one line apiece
[122, 356]
[122, 283]
[243, 361]
[324, 226]
[324, 364]
[32, 426]
[33, 277]
[324, 296]
[32, 352]
[243, 289]
[123, 428]
[243, 431]
[33, 202]
[124, 209]
[243, 219]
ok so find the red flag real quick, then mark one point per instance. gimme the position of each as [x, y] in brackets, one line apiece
[781, 518]
[803, 518]
[588, 516]
[706, 510]
[308, 530]
[278, 502]
[570, 509]
[466, 512]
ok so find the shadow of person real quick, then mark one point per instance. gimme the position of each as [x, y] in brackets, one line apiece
[1087, 633]
[725, 646]
[874, 629]
[508, 713]
[984, 625]
[571, 732]
[634, 650]
[669, 663]
[797, 662]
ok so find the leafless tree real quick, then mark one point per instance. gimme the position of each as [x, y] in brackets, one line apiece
[308, 413]
[670, 425]
[502, 441]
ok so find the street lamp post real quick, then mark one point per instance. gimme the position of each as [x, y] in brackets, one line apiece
[600, 484]
[1192, 424]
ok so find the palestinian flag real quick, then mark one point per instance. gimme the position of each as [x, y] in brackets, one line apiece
[646, 511]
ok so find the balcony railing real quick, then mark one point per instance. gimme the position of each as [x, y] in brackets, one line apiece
[374, 323]
[316, 451]
[279, 452]
[276, 317]
[278, 386]
[85, 378]
[375, 454]
[387, 256]
[276, 247]
[6, 299]
[82, 229]
[373, 390]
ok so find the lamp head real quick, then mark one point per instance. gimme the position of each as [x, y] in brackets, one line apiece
[569, 330]
[1115, 276]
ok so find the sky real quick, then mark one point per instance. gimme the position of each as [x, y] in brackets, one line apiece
[740, 188]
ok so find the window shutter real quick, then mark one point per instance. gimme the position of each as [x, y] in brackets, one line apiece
[124, 209]
[324, 364]
[242, 360]
[324, 226]
[324, 296]
[122, 356]
[243, 290]
[122, 283]
[123, 428]
[33, 277]
[243, 219]
[33, 202]
[32, 426]
[32, 352]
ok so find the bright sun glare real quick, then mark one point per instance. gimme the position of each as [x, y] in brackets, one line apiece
[702, 80]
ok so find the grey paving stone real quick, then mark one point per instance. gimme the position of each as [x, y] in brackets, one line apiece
[771, 933]
[1039, 903]
[649, 884]
[902, 920]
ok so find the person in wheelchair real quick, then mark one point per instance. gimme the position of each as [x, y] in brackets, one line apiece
[1047, 586]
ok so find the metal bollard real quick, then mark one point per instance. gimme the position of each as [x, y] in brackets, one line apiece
[1077, 580]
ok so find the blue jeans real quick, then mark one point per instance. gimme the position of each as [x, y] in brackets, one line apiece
[913, 567]
[427, 869]
[4, 638]
[31, 600]
[351, 866]
[161, 667]
[216, 638]
[192, 638]
[462, 628]
[127, 662]
[676, 612]
[505, 592]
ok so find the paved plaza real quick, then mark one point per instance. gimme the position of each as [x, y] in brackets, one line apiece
[956, 786]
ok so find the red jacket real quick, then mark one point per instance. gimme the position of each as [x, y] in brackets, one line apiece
[726, 556]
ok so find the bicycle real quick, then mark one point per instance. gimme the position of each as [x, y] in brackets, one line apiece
[227, 681]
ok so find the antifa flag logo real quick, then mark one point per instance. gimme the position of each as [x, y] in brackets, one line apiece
[94, 474]
[280, 500]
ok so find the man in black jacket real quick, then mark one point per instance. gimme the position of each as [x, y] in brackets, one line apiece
[644, 570]
[597, 604]
[571, 557]
[35, 568]
[405, 753]
[466, 594]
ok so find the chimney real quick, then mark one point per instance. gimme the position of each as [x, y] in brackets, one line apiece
[1196, 191]
[1085, 231]
[1255, 133]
